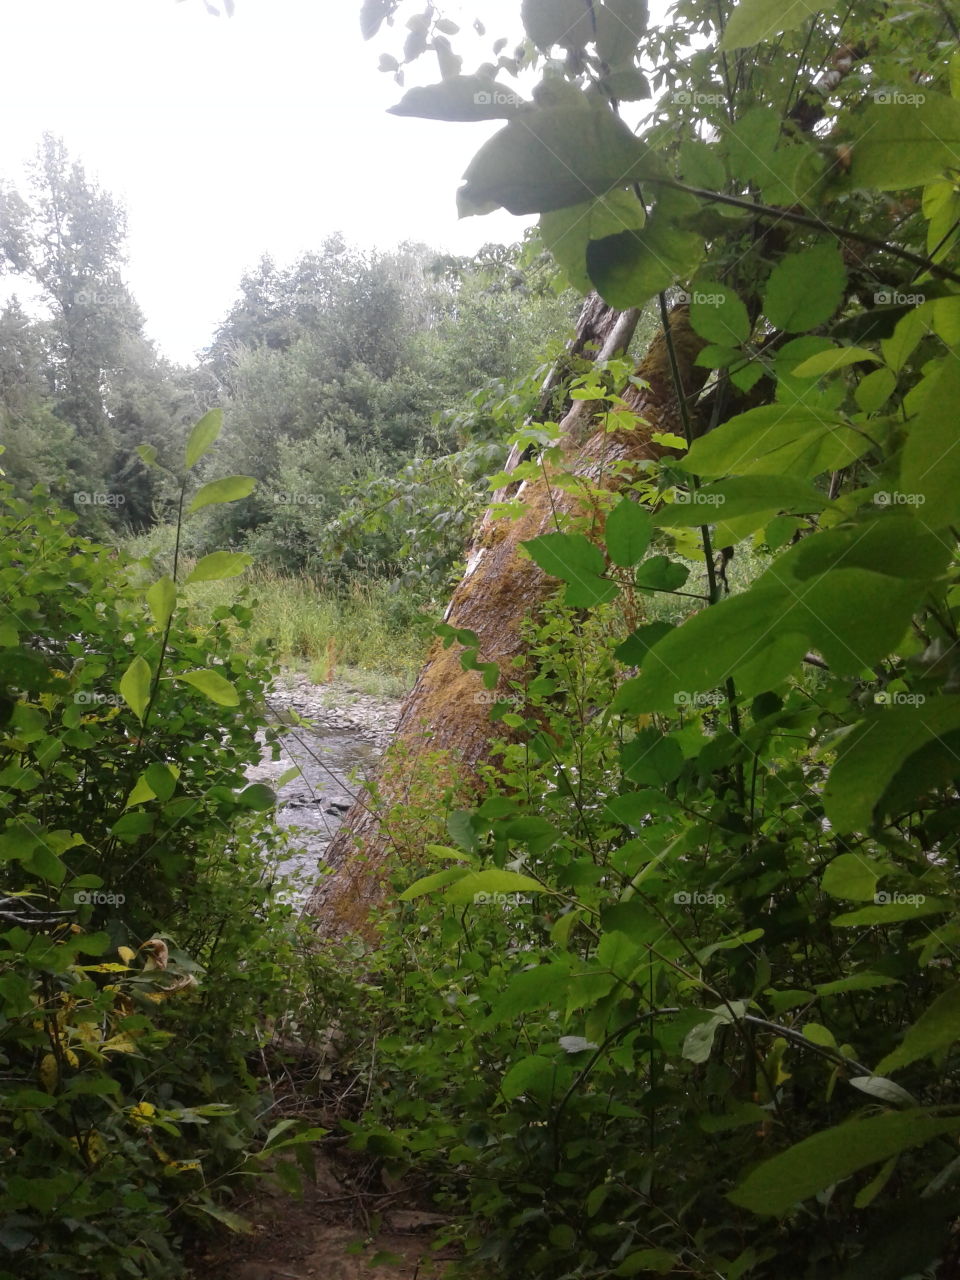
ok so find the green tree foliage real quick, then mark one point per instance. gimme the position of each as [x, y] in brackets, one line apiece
[141, 932]
[678, 996]
[86, 364]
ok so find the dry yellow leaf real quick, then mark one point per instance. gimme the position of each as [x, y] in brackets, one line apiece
[49, 1072]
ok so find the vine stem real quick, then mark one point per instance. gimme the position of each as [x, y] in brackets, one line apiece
[704, 529]
[807, 220]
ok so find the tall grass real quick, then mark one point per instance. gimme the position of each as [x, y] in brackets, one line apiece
[369, 634]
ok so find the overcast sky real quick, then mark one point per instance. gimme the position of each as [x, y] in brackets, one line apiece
[226, 139]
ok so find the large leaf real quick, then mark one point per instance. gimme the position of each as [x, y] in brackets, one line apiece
[876, 750]
[853, 876]
[219, 564]
[776, 438]
[135, 686]
[756, 20]
[569, 556]
[204, 436]
[631, 268]
[905, 141]
[567, 232]
[162, 597]
[805, 289]
[775, 1186]
[460, 98]
[216, 687]
[937, 1028]
[740, 496]
[629, 529]
[484, 887]
[552, 157]
[717, 313]
[563, 22]
[229, 489]
[930, 467]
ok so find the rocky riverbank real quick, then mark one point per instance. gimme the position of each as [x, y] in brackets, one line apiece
[336, 751]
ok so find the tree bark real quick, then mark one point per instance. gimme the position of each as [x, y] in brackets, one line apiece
[445, 719]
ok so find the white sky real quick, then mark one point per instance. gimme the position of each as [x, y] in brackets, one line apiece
[226, 139]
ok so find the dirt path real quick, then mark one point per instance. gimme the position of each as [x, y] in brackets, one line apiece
[323, 1237]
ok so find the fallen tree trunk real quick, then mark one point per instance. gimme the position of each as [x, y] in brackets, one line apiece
[445, 719]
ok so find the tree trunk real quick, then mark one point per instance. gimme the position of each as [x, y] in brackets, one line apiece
[444, 733]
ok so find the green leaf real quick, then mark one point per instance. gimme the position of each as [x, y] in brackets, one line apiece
[258, 796]
[219, 564]
[893, 912]
[755, 495]
[204, 436]
[905, 143]
[805, 289]
[147, 454]
[660, 1261]
[142, 793]
[755, 20]
[851, 875]
[229, 489]
[533, 1074]
[875, 751]
[551, 22]
[776, 1185]
[567, 232]
[937, 1028]
[628, 533]
[717, 313]
[162, 780]
[544, 986]
[233, 1221]
[427, 884]
[661, 574]
[830, 361]
[885, 1090]
[930, 467]
[551, 158]
[216, 687]
[47, 865]
[568, 556]
[484, 886]
[135, 686]
[783, 439]
[460, 98]
[588, 591]
[162, 598]
[631, 268]
[875, 390]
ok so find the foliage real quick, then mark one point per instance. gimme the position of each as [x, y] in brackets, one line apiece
[142, 942]
[677, 996]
